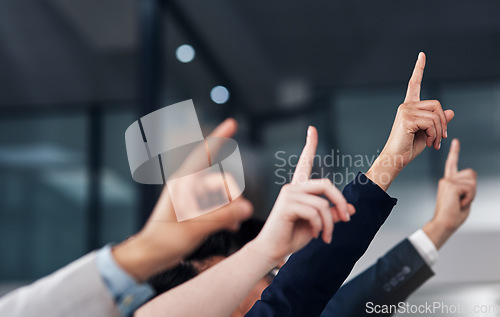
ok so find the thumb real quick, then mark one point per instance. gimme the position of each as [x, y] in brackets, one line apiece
[449, 114]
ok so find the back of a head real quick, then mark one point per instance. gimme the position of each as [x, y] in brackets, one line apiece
[171, 278]
[223, 243]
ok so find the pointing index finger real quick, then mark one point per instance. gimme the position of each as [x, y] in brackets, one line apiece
[413, 92]
[226, 129]
[304, 166]
[451, 167]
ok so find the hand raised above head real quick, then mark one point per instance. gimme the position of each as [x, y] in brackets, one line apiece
[456, 191]
[418, 123]
[163, 241]
[300, 213]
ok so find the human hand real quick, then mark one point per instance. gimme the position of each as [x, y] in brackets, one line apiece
[417, 124]
[300, 213]
[456, 191]
[164, 241]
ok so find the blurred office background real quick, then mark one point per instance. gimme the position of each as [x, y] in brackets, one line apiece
[75, 74]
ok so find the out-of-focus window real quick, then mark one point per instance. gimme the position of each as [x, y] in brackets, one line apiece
[43, 194]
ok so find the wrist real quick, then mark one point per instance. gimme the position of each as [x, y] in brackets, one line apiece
[385, 169]
[438, 232]
[140, 259]
[262, 250]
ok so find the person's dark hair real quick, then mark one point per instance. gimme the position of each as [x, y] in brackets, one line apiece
[248, 231]
[223, 243]
[169, 279]
[218, 244]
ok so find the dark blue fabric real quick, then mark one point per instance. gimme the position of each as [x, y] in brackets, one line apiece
[310, 278]
[389, 281]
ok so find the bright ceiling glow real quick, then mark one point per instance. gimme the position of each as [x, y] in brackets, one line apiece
[219, 94]
[185, 53]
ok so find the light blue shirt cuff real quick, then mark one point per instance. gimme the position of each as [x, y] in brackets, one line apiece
[127, 293]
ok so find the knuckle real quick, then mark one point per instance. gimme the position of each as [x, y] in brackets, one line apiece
[408, 117]
[325, 203]
[436, 117]
[286, 188]
[317, 219]
[470, 172]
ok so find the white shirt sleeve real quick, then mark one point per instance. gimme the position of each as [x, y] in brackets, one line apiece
[424, 247]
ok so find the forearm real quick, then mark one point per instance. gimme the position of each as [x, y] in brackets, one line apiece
[216, 292]
[136, 259]
[140, 257]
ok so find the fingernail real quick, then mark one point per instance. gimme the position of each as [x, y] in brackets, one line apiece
[420, 55]
[446, 133]
[439, 146]
[348, 216]
[308, 131]
[329, 240]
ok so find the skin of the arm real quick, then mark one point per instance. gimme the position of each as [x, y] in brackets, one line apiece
[312, 276]
[163, 242]
[298, 216]
[217, 291]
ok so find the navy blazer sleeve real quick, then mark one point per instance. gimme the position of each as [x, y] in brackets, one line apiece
[389, 281]
[310, 278]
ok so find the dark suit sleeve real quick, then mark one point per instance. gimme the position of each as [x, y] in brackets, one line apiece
[310, 278]
[389, 281]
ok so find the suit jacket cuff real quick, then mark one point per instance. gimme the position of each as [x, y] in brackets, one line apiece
[364, 188]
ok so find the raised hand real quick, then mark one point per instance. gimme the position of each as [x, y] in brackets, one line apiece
[417, 124]
[456, 191]
[163, 242]
[223, 218]
[300, 213]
